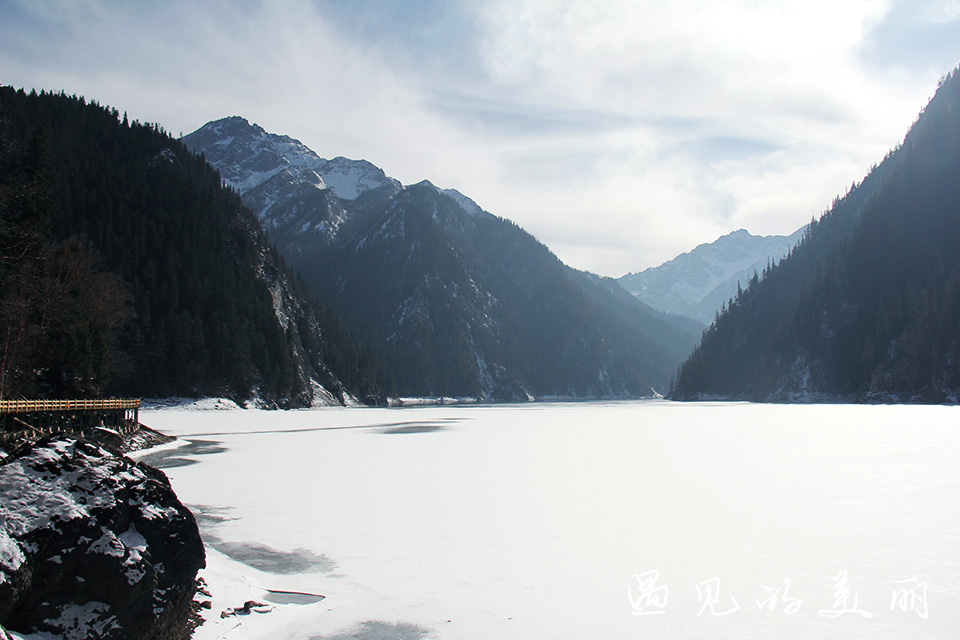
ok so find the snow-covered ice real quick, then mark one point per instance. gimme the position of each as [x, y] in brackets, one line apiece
[584, 520]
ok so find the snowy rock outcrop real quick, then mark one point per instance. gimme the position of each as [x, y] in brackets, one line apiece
[93, 545]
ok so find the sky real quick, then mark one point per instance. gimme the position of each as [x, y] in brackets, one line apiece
[620, 133]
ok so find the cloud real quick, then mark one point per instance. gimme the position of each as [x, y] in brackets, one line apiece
[727, 114]
[281, 64]
[916, 34]
[655, 56]
[619, 132]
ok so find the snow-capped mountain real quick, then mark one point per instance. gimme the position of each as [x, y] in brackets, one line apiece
[696, 284]
[459, 301]
[299, 197]
[295, 193]
[248, 158]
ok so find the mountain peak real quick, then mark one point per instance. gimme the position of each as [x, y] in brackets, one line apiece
[229, 126]
[231, 120]
[248, 157]
[465, 204]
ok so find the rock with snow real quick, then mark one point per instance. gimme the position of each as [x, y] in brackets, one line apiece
[93, 545]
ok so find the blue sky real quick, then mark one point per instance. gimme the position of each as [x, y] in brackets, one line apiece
[620, 133]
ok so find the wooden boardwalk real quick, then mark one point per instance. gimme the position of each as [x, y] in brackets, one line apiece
[41, 417]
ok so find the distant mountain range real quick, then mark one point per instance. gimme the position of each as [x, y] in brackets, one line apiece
[867, 307]
[698, 283]
[131, 266]
[459, 301]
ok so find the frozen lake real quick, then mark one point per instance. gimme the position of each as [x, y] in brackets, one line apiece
[592, 520]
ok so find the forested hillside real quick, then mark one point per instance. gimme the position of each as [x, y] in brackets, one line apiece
[128, 269]
[867, 307]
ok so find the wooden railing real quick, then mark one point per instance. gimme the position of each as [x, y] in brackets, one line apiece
[33, 418]
[32, 406]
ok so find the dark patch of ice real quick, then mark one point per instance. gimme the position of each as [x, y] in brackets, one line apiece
[379, 630]
[271, 560]
[170, 458]
[378, 428]
[170, 463]
[254, 554]
[292, 597]
[414, 428]
[208, 517]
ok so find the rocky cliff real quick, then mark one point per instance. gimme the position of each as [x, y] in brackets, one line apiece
[93, 546]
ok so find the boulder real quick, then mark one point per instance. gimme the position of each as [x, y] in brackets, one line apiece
[93, 545]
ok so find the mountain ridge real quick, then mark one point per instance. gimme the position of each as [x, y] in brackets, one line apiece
[454, 294]
[697, 283]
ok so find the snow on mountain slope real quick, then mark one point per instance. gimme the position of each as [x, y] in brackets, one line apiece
[350, 178]
[468, 205]
[697, 283]
[301, 199]
[247, 156]
[251, 159]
